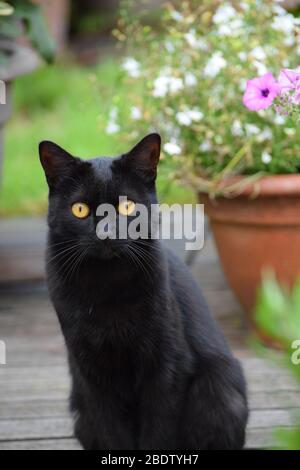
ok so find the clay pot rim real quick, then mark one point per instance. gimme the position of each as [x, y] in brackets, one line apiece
[265, 186]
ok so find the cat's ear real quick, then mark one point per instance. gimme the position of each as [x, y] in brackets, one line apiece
[55, 160]
[144, 157]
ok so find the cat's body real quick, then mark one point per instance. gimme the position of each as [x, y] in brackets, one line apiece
[149, 366]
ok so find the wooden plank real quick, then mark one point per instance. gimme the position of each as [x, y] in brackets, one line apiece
[22, 248]
[55, 391]
[43, 408]
[256, 372]
[33, 373]
[284, 399]
[273, 418]
[45, 428]
[255, 369]
[42, 444]
[262, 438]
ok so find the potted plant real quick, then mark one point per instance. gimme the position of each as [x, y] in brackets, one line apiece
[257, 226]
[20, 21]
[188, 84]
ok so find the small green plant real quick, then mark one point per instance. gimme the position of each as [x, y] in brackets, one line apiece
[23, 16]
[188, 77]
[277, 315]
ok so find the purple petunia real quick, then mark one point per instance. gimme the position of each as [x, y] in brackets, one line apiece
[261, 92]
[289, 81]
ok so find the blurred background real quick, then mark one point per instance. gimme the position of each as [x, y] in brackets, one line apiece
[63, 68]
[67, 100]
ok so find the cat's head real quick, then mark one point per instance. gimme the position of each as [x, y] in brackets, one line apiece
[79, 189]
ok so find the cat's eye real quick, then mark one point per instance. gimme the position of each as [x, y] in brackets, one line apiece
[80, 210]
[126, 207]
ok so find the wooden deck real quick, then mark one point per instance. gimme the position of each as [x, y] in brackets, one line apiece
[34, 384]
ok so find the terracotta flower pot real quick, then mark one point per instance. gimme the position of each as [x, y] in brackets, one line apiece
[255, 229]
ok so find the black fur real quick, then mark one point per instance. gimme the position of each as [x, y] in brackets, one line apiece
[150, 368]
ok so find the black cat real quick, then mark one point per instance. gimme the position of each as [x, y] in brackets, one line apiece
[150, 368]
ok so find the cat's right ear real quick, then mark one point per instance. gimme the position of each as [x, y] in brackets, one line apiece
[55, 160]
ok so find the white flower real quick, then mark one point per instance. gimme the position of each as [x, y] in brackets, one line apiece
[136, 113]
[289, 41]
[161, 86]
[112, 128]
[176, 15]
[244, 6]
[224, 13]
[284, 23]
[236, 24]
[224, 30]
[169, 46]
[279, 10]
[266, 134]
[202, 44]
[266, 158]
[214, 65]
[175, 84]
[195, 114]
[242, 56]
[280, 120]
[258, 53]
[230, 29]
[165, 84]
[205, 146]
[260, 67]
[252, 129]
[183, 118]
[132, 67]
[190, 79]
[191, 38]
[236, 128]
[172, 149]
[194, 41]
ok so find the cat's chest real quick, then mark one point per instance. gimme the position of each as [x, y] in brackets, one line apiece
[119, 340]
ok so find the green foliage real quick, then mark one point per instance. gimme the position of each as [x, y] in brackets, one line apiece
[5, 9]
[69, 105]
[278, 315]
[187, 82]
[278, 310]
[25, 14]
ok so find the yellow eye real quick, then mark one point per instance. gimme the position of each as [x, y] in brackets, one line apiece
[80, 210]
[126, 207]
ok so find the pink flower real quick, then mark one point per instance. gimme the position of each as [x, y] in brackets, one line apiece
[289, 80]
[261, 92]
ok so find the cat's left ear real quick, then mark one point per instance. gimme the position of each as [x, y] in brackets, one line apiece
[144, 157]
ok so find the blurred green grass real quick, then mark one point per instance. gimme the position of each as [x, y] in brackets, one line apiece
[69, 105]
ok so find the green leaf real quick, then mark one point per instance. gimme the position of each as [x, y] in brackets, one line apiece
[6, 9]
[9, 27]
[36, 28]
